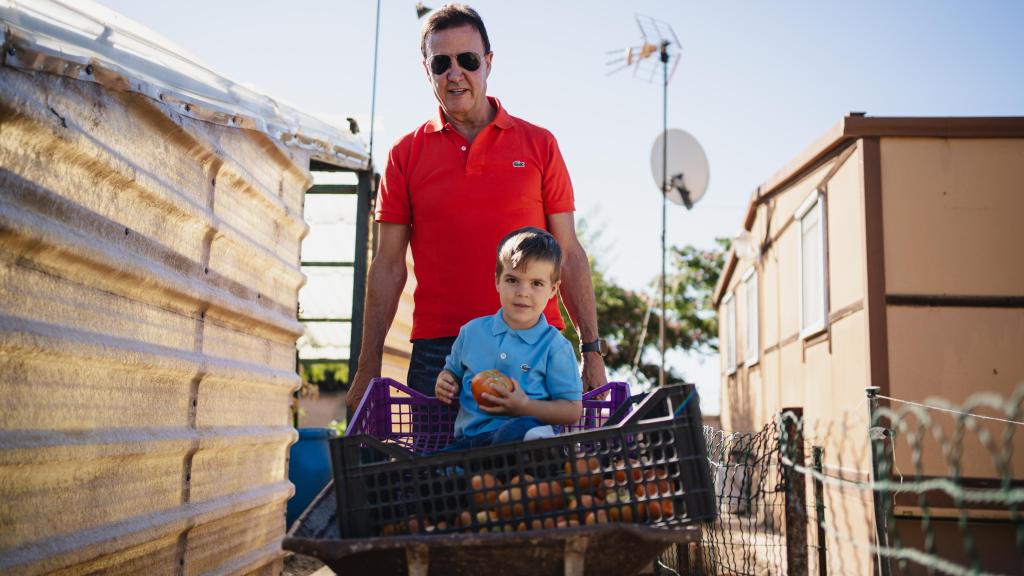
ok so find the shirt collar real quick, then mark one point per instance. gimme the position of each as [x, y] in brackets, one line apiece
[530, 335]
[501, 118]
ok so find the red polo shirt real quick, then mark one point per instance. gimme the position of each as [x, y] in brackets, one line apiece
[460, 200]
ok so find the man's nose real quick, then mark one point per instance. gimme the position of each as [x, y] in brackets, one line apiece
[455, 72]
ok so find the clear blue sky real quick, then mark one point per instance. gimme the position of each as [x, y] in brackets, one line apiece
[758, 82]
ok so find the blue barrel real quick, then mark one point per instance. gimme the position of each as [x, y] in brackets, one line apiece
[309, 469]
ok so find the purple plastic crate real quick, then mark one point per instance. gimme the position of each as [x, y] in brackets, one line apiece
[390, 418]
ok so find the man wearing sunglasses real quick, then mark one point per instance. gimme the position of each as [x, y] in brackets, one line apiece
[452, 189]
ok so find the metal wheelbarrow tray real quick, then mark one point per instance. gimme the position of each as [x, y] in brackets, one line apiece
[607, 549]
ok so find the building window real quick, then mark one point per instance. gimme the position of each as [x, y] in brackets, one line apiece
[730, 334]
[750, 334]
[813, 265]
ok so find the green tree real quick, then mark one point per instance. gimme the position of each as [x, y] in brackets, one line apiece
[690, 283]
[691, 325]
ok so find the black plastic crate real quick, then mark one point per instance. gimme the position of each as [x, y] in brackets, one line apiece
[651, 469]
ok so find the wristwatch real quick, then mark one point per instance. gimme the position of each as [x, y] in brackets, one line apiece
[596, 346]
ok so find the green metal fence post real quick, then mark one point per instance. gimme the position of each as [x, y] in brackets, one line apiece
[819, 509]
[791, 420]
[876, 437]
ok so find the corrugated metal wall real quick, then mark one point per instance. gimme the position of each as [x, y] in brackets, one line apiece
[148, 282]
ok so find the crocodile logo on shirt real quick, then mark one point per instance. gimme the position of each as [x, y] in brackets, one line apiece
[524, 367]
[518, 164]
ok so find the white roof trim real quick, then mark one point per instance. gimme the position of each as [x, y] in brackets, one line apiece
[89, 42]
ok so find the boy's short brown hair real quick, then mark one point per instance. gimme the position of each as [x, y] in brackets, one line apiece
[528, 244]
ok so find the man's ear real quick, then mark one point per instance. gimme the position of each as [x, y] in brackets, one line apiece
[487, 60]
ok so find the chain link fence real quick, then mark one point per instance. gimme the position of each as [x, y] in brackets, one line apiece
[894, 487]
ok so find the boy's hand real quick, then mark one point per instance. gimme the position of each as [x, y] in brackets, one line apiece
[446, 387]
[506, 403]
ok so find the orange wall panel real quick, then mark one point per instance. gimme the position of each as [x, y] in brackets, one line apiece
[952, 212]
[952, 353]
[845, 234]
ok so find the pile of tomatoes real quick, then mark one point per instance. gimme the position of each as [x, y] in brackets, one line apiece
[584, 493]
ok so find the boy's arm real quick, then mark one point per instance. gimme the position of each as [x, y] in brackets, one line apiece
[447, 385]
[564, 412]
[517, 403]
[563, 384]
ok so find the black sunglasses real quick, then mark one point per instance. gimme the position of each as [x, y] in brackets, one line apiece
[468, 61]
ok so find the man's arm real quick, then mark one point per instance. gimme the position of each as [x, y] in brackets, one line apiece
[384, 283]
[577, 292]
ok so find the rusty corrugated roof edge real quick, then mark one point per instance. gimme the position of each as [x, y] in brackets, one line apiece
[852, 127]
[91, 43]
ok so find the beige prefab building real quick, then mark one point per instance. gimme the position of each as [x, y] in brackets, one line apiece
[151, 215]
[888, 254]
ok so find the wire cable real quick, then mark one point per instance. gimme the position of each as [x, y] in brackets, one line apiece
[951, 411]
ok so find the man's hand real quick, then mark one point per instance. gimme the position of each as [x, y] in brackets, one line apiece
[446, 387]
[594, 374]
[360, 382]
[506, 403]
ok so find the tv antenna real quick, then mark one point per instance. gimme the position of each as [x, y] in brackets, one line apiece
[657, 37]
[681, 177]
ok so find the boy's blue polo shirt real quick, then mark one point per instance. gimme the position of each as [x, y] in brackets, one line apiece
[540, 359]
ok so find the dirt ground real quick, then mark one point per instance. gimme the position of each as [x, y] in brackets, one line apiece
[299, 565]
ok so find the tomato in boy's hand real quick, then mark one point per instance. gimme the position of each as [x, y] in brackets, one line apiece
[490, 381]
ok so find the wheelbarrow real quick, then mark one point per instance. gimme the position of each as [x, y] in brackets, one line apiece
[656, 453]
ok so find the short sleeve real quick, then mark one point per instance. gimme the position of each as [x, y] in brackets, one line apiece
[556, 187]
[393, 195]
[453, 363]
[563, 374]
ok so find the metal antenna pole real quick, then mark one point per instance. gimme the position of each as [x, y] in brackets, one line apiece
[373, 93]
[658, 37]
[664, 203]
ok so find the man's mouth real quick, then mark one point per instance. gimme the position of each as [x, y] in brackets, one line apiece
[458, 91]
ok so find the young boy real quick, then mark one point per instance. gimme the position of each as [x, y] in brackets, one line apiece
[520, 343]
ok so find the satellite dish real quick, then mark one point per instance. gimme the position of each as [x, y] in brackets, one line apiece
[687, 173]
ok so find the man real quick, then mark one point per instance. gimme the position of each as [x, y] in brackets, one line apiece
[452, 189]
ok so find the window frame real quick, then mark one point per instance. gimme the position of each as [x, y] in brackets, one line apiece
[730, 335]
[816, 202]
[751, 346]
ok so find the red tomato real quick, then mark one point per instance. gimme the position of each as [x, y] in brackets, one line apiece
[488, 381]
